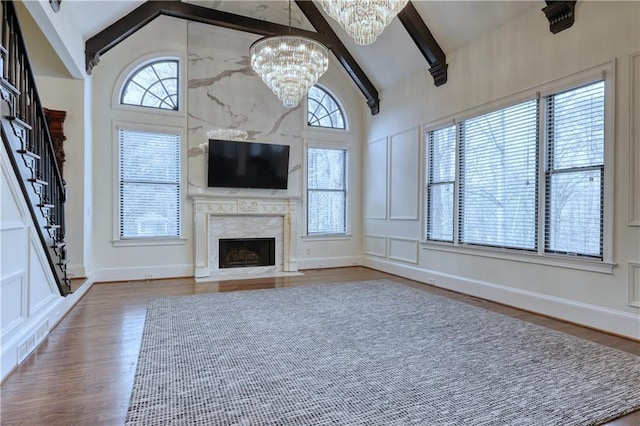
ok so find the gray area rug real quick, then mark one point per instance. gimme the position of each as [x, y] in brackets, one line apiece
[367, 353]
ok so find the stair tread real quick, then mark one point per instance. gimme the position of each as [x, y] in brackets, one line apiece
[28, 153]
[52, 226]
[19, 121]
[62, 262]
[46, 206]
[59, 245]
[38, 181]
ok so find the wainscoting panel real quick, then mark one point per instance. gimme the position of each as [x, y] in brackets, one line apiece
[634, 284]
[375, 245]
[375, 181]
[403, 249]
[634, 139]
[12, 298]
[404, 196]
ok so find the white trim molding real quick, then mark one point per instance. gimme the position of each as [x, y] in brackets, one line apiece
[370, 249]
[599, 318]
[634, 139]
[634, 284]
[410, 252]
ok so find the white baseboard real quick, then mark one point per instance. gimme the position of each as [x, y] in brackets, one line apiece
[609, 320]
[142, 273]
[33, 332]
[328, 262]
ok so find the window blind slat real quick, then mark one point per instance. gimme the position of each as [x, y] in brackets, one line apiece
[574, 182]
[498, 178]
[150, 197]
[326, 191]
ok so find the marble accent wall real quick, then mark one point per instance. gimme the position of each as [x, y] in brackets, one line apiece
[224, 92]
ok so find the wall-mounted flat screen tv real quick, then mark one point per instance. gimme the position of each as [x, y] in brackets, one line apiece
[235, 164]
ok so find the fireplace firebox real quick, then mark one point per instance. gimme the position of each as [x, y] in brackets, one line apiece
[246, 252]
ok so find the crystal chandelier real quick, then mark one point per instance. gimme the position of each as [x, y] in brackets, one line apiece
[289, 65]
[363, 20]
[227, 134]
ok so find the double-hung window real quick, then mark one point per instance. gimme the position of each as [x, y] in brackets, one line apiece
[326, 191]
[150, 198]
[441, 157]
[529, 176]
[575, 171]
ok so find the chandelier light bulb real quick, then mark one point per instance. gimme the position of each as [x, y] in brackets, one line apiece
[363, 20]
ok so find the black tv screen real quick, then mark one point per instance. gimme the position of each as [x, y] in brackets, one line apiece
[235, 164]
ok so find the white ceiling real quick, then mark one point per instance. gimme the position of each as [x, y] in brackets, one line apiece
[452, 23]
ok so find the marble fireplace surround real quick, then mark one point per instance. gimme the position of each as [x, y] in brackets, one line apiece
[243, 213]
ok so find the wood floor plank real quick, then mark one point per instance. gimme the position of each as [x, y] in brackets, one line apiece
[83, 372]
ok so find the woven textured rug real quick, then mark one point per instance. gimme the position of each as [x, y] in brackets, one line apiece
[367, 353]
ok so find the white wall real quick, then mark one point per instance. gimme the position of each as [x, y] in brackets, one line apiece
[74, 171]
[222, 91]
[519, 55]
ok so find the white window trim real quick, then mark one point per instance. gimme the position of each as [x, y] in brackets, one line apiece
[141, 62]
[329, 130]
[604, 71]
[329, 236]
[117, 241]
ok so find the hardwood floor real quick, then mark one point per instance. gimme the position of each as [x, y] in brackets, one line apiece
[83, 372]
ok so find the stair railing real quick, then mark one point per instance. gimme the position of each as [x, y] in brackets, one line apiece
[27, 108]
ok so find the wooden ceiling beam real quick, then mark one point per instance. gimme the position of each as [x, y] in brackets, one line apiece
[425, 41]
[561, 15]
[148, 11]
[356, 73]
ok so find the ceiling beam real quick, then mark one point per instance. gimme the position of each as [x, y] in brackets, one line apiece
[148, 11]
[561, 15]
[425, 41]
[342, 54]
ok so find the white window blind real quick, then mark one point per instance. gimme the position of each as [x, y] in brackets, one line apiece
[149, 184]
[575, 167]
[498, 170]
[441, 157]
[326, 191]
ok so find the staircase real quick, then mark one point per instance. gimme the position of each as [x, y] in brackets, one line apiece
[26, 137]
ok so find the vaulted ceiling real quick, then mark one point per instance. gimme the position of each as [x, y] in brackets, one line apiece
[451, 23]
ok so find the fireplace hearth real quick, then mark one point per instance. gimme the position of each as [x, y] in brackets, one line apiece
[246, 252]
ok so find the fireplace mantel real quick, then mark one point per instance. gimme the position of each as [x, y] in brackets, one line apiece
[205, 206]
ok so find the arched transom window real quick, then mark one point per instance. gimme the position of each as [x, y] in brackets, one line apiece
[323, 110]
[154, 85]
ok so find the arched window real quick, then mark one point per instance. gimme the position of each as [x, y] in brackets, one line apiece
[323, 110]
[154, 85]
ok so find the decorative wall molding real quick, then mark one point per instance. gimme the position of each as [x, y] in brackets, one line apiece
[404, 171]
[376, 182]
[634, 284]
[634, 139]
[375, 245]
[329, 262]
[403, 249]
[609, 320]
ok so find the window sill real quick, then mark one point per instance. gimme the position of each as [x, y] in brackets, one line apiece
[134, 242]
[327, 237]
[559, 261]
